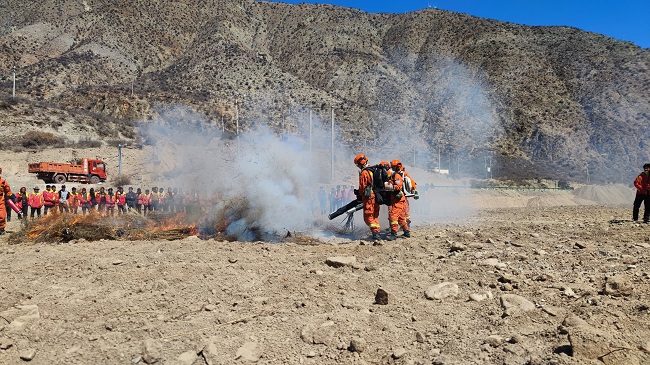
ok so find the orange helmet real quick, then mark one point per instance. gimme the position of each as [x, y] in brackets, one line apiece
[361, 159]
[395, 163]
[384, 164]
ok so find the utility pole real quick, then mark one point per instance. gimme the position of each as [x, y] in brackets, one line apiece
[13, 93]
[332, 154]
[237, 124]
[119, 159]
[414, 154]
[310, 142]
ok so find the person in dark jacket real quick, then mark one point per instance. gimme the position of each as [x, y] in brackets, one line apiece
[642, 185]
[131, 198]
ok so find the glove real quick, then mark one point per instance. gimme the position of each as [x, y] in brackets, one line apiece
[388, 186]
[416, 197]
[367, 191]
[12, 197]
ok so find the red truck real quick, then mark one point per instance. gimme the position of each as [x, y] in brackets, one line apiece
[85, 171]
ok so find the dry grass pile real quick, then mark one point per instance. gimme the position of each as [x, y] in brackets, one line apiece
[93, 227]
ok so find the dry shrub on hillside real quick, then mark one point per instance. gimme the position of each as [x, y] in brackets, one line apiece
[38, 139]
[86, 143]
[121, 180]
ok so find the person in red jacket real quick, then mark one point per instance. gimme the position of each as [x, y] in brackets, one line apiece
[22, 201]
[120, 199]
[35, 201]
[642, 185]
[86, 201]
[110, 202]
[74, 201]
[48, 198]
[370, 205]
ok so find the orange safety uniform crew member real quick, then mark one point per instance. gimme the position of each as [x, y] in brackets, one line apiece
[36, 202]
[5, 193]
[370, 205]
[414, 190]
[397, 208]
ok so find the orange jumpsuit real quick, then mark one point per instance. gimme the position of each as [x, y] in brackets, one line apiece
[370, 205]
[397, 208]
[5, 191]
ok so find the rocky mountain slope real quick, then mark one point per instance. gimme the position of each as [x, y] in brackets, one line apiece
[552, 102]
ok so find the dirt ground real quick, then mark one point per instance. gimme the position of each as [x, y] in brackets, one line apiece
[534, 283]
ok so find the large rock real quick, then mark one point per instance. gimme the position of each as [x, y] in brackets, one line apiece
[618, 286]
[340, 261]
[441, 291]
[515, 304]
[599, 345]
[249, 351]
[20, 316]
[319, 334]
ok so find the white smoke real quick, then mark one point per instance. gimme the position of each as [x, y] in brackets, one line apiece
[267, 183]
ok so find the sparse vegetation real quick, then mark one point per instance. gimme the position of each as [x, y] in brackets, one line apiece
[121, 180]
[39, 140]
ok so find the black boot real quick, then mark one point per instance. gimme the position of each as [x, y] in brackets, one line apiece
[407, 234]
[391, 236]
[375, 236]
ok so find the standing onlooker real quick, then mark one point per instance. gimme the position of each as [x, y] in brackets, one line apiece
[332, 200]
[322, 199]
[86, 200]
[22, 201]
[131, 199]
[642, 184]
[141, 198]
[120, 200]
[146, 201]
[110, 202]
[339, 197]
[63, 200]
[35, 201]
[48, 197]
[74, 201]
[93, 198]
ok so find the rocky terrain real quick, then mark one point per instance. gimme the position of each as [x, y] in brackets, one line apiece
[545, 285]
[552, 102]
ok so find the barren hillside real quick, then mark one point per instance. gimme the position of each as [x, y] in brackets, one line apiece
[541, 101]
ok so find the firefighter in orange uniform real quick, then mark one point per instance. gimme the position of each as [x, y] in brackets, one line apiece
[5, 193]
[397, 208]
[413, 190]
[370, 205]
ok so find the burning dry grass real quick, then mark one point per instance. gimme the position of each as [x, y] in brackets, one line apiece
[93, 227]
